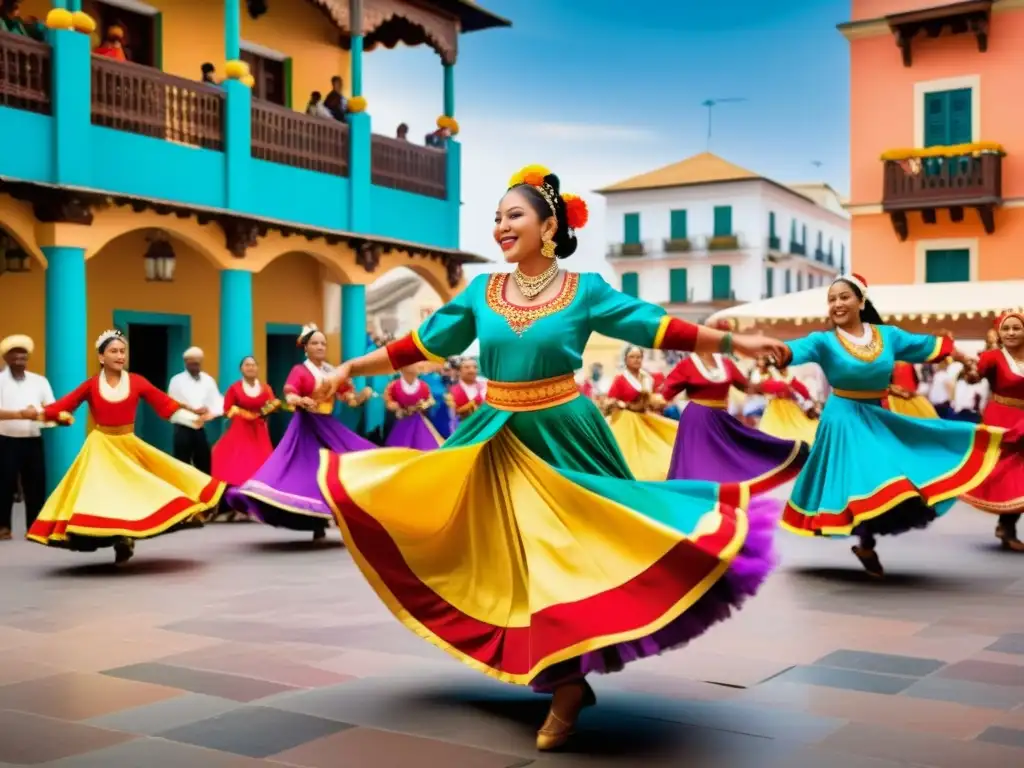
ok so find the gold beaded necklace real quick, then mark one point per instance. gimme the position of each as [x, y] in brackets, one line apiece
[533, 286]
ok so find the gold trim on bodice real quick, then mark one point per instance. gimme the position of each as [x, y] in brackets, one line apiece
[519, 318]
[1012, 402]
[720, 405]
[124, 429]
[532, 395]
[866, 353]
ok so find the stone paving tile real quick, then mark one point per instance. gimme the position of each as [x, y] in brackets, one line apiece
[869, 682]
[882, 663]
[164, 715]
[966, 692]
[986, 672]
[77, 696]
[254, 731]
[27, 739]
[1009, 644]
[262, 664]
[1011, 737]
[233, 687]
[158, 753]
[923, 749]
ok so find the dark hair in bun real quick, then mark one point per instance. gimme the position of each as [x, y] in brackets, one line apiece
[565, 240]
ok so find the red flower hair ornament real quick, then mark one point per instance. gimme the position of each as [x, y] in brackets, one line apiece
[576, 212]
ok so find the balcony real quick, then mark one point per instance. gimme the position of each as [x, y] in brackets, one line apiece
[942, 178]
[626, 250]
[774, 243]
[820, 255]
[797, 249]
[143, 133]
[724, 243]
[677, 245]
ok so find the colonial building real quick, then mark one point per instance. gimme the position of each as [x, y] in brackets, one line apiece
[935, 139]
[704, 234]
[183, 212]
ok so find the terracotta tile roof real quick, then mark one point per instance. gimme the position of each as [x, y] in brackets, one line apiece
[699, 169]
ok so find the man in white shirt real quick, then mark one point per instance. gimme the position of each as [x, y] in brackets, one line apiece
[21, 446]
[940, 390]
[195, 389]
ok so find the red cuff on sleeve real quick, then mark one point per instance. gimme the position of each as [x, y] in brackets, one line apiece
[677, 335]
[404, 352]
[944, 349]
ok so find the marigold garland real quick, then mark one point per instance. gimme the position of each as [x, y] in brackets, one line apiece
[531, 174]
[445, 121]
[576, 212]
[357, 104]
[957, 150]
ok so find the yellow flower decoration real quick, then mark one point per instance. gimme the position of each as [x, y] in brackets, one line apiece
[357, 104]
[444, 121]
[82, 22]
[236, 69]
[248, 81]
[531, 174]
[59, 18]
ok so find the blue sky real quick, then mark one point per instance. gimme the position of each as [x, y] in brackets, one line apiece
[600, 90]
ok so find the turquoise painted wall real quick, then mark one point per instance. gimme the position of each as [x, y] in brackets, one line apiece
[33, 160]
[295, 194]
[405, 216]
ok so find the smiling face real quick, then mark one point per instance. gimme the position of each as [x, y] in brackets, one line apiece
[844, 305]
[250, 370]
[634, 360]
[114, 356]
[1011, 333]
[518, 227]
[316, 347]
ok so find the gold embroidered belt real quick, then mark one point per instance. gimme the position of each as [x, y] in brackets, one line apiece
[720, 405]
[532, 395]
[124, 429]
[861, 394]
[1013, 402]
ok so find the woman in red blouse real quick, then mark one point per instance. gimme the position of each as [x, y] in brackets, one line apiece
[634, 407]
[1002, 493]
[246, 444]
[120, 488]
[713, 445]
[903, 397]
[789, 401]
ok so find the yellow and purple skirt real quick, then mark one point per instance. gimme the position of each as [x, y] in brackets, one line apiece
[646, 441]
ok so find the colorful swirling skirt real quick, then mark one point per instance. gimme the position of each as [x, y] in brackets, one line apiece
[646, 441]
[872, 471]
[414, 431]
[539, 557]
[284, 492]
[785, 420]
[917, 406]
[122, 487]
[1002, 492]
[712, 445]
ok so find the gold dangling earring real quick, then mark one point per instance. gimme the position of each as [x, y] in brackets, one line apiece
[547, 249]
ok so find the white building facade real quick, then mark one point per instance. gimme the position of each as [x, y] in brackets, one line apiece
[703, 234]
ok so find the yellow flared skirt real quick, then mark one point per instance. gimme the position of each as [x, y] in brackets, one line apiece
[917, 406]
[785, 419]
[646, 441]
[120, 486]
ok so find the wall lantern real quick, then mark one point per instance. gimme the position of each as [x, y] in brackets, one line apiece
[12, 258]
[159, 257]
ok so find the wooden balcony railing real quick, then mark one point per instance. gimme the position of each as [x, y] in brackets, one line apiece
[944, 182]
[284, 136]
[401, 165]
[146, 101]
[24, 73]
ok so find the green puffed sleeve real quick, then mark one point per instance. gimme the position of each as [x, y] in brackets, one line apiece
[452, 328]
[613, 313]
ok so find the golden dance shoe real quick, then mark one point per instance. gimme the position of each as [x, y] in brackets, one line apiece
[1010, 540]
[567, 703]
[869, 559]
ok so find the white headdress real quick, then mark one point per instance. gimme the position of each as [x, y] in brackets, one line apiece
[106, 336]
[193, 353]
[860, 282]
[307, 330]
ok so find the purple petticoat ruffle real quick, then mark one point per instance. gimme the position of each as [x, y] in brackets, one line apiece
[747, 572]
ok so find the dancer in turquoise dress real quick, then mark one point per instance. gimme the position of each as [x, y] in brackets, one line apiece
[871, 471]
[524, 546]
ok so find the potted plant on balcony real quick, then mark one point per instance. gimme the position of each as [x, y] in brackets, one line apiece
[632, 249]
[678, 244]
[723, 243]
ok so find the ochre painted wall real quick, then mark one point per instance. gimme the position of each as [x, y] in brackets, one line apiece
[21, 308]
[290, 290]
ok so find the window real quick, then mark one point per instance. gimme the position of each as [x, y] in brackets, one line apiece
[678, 291]
[723, 220]
[831, 252]
[789, 281]
[842, 258]
[269, 75]
[769, 281]
[721, 281]
[803, 240]
[631, 284]
[141, 31]
[819, 254]
[678, 225]
[947, 118]
[771, 223]
[631, 229]
[799, 281]
[952, 266]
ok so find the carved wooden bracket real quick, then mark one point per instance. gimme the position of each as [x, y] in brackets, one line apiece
[971, 16]
[240, 235]
[368, 256]
[899, 224]
[454, 270]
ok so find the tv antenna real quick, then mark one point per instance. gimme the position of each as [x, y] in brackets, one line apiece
[711, 104]
[817, 163]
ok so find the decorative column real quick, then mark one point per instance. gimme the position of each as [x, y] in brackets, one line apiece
[453, 158]
[359, 131]
[67, 347]
[353, 338]
[449, 89]
[73, 5]
[236, 323]
[71, 93]
[237, 87]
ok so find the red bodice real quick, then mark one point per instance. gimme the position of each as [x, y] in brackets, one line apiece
[113, 414]
[688, 377]
[397, 394]
[1006, 385]
[622, 389]
[237, 397]
[904, 376]
[461, 400]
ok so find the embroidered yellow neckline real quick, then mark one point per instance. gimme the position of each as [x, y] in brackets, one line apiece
[866, 353]
[519, 318]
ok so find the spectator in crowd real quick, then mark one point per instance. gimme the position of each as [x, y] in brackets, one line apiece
[335, 102]
[402, 134]
[113, 44]
[438, 139]
[208, 74]
[12, 21]
[315, 107]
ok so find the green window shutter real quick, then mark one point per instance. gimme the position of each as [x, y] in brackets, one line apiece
[769, 281]
[631, 284]
[789, 281]
[631, 229]
[936, 119]
[960, 116]
[771, 223]
[288, 83]
[792, 231]
[799, 281]
[723, 220]
[678, 290]
[721, 281]
[803, 240]
[842, 258]
[952, 266]
[678, 225]
[158, 41]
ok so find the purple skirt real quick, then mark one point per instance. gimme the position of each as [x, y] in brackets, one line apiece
[712, 445]
[285, 492]
[747, 572]
[413, 432]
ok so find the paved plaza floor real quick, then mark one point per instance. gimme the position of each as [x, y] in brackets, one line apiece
[240, 646]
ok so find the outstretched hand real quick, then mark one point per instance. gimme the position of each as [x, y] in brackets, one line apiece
[755, 345]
